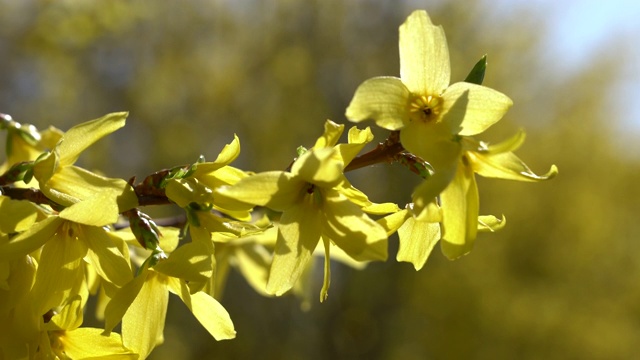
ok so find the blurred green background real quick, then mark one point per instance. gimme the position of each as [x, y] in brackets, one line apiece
[561, 281]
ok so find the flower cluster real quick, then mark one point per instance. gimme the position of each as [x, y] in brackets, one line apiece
[67, 233]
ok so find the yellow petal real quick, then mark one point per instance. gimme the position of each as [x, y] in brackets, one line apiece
[357, 140]
[229, 153]
[276, 189]
[432, 142]
[209, 312]
[505, 166]
[226, 175]
[331, 135]
[482, 108]
[417, 239]
[299, 233]
[18, 276]
[383, 99]
[143, 324]
[459, 203]
[122, 300]
[339, 255]
[322, 167]
[72, 184]
[354, 195]
[191, 262]
[352, 230]
[427, 191]
[105, 256]
[511, 144]
[28, 241]
[185, 191]
[17, 215]
[431, 213]
[89, 343]
[253, 261]
[70, 316]
[424, 55]
[392, 222]
[381, 209]
[101, 209]
[324, 292]
[60, 272]
[81, 136]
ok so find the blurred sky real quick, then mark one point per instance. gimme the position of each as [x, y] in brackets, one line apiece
[578, 30]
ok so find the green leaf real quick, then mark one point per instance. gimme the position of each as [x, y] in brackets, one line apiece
[476, 75]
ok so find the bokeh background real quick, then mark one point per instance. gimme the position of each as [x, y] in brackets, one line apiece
[561, 281]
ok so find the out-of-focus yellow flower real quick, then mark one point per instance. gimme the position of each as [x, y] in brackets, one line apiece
[317, 202]
[67, 184]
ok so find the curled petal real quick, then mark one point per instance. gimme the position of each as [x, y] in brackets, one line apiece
[357, 140]
[331, 135]
[393, 221]
[511, 144]
[506, 166]
[229, 153]
[81, 136]
[383, 99]
[491, 223]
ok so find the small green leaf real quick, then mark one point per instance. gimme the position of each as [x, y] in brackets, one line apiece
[476, 76]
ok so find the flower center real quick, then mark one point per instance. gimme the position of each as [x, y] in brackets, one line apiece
[425, 108]
[315, 195]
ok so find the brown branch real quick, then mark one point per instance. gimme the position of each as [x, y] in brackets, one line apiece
[29, 194]
[383, 153]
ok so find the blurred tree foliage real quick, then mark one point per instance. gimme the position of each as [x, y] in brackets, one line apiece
[559, 282]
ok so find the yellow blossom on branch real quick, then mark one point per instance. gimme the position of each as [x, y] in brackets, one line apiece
[436, 121]
[67, 184]
[317, 204]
